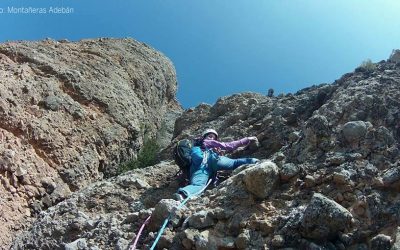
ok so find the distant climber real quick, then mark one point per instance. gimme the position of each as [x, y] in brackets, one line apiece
[270, 92]
[207, 158]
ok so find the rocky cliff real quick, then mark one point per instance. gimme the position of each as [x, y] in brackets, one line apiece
[71, 112]
[329, 178]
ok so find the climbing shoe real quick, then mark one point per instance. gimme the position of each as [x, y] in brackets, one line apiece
[178, 197]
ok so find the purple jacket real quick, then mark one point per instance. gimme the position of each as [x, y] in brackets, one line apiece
[227, 146]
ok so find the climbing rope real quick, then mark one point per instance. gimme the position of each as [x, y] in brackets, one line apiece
[133, 247]
[160, 232]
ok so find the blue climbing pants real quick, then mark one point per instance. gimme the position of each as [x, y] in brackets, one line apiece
[200, 173]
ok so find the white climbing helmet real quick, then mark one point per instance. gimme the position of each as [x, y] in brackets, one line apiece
[209, 131]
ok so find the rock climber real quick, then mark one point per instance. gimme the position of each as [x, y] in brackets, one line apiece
[208, 157]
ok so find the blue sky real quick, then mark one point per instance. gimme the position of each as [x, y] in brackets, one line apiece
[222, 47]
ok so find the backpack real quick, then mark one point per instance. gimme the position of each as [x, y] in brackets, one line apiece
[182, 156]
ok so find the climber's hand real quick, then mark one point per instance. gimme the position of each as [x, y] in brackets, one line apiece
[254, 140]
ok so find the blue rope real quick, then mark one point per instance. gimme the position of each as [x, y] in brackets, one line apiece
[161, 231]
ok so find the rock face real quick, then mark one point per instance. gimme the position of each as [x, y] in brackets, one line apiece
[328, 177]
[90, 214]
[395, 56]
[71, 112]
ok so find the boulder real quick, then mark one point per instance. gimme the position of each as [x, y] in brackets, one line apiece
[261, 179]
[381, 242]
[200, 220]
[161, 212]
[287, 171]
[324, 218]
[396, 243]
[354, 131]
[79, 244]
